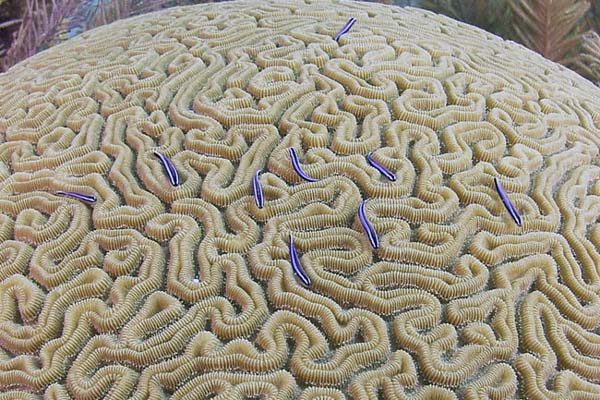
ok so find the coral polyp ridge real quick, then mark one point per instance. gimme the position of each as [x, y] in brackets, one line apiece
[174, 275]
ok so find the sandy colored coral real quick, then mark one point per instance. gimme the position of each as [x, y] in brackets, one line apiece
[189, 292]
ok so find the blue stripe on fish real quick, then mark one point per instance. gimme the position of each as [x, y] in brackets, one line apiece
[373, 238]
[169, 168]
[345, 29]
[296, 266]
[258, 193]
[296, 165]
[507, 203]
[384, 171]
[84, 197]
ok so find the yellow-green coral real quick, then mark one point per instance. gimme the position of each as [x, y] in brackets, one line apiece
[188, 291]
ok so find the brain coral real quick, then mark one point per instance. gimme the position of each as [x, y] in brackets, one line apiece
[189, 291]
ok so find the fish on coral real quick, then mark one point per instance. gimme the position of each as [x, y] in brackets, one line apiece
[258, 193]
[384, 171]
[169, 168]
[345, 29]
[373, 238]
[297, 168]
[296, 265]
[187, 284]
[90, 198]
[507, 203]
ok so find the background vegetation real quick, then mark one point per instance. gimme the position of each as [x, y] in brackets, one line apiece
[565, 31]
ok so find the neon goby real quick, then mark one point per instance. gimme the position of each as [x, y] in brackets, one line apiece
[384, 171]
[373, 238]
[296, 266]
[259, 199]
[169, 168]
[90, 198]
[507, 203]
[296, 165]
[345, 29]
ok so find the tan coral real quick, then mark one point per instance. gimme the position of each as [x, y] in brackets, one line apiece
[188, 291]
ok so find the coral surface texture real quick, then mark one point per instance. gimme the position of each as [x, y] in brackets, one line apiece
[225, 201]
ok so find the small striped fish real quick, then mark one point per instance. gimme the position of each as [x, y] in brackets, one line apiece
[296, 165]
[296, 266]
[169, 168]
[384, 171]
[373, 238]
[345, 29]
[507, 203]
[90, 198]
[258, 193]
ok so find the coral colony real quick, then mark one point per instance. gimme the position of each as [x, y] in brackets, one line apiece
[214, 288]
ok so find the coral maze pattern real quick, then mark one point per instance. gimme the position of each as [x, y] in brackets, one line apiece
[187, 291]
